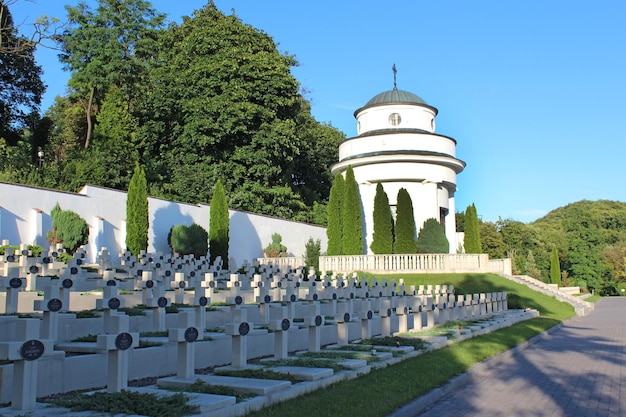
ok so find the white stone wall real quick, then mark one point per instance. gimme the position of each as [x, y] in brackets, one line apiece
[25, 218]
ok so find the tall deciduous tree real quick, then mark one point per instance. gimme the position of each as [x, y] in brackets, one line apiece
[555, 267]
[109, 46]
[351, 216]
[219, 225]
[382, 238]
[137, 214]
[405, 224]
[21, 88]
[432, 238]
[334, 231]
[471, 242]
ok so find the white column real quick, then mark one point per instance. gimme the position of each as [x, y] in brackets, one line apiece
[36, 227]
[451, 224]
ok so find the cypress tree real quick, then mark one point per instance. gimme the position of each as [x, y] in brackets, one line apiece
[334, 229]
[219, 225]
[555, 267]
[432, 238]
[137, 213]
[351, 217]
[382, 238]
[472, 231]
[405, 224]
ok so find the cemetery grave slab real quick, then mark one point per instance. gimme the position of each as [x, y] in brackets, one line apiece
[243, 385]
[204, 402]
[302, 373]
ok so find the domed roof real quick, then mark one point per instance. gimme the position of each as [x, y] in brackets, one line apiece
[395, 96]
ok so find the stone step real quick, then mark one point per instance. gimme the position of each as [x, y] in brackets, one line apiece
[242, 385]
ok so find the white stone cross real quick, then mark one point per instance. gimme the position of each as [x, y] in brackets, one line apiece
[117, 343]
[185, 334]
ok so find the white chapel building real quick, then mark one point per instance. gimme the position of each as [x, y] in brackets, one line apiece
[398, 147]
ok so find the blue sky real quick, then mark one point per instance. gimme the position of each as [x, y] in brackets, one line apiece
[532, 91]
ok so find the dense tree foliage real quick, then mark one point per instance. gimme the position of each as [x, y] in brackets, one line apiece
[276, 248]
[188, 102]
[219, 225]
[432, 238]
[109, 46]
[351, 216]
[313, 249]
[471, 241]
[382, 238]
[137, 213]
[405, 224]
[21, 87]
[334, 230]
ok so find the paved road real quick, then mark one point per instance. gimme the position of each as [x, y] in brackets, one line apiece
[578, 370]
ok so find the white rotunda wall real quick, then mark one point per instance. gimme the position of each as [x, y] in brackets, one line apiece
[394, 142]
[411, 116]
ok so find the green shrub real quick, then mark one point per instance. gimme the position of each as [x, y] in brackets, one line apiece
[471, 242]
[312, 253]
[275, 249]
[68, 228]
[432, 238]
[351, 217]
[187, 240]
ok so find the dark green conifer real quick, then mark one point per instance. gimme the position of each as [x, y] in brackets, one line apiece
[137, 212]
[471, 242]
[351, 216]
[334, 230]
[405, 224]
[555, 267]
[219, 224]
[382, 238]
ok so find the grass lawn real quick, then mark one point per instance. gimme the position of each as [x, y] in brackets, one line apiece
[398, 384]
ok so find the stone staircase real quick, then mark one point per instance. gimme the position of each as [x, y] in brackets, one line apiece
[581, 307]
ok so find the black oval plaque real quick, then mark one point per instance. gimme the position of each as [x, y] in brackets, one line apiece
[15, 283]
[433, 307]
[279, 284]
[124, 341]
[55, 305]
[73, 270]
[192, 274]
[150, 259]
[318, 320]
[351, 295]
[111, 283]
[419, 309]
[47, 260]
[380, 293]
[168, 273]
[179, 266]
[267, 299]
[388, 312]
[406, 310]
[67, 283]
[182, 284]
[444, 306]
[393, 293]
[285, 324]
[191, 334]
[346, 317]
[32, 350]
[82, 256]
[313, 284]
[10, 258]
[292, 298]
[370, 314]
[238, 300]
[55, 254]
[367, 294]
[149, 283]
[114, 303]
[244, 329]
[25, 252]
[297, 284]
[334, 296]
[79, 262]
[211, 284]
[215, 274]
[203, 301]
[314, 297]
[139, 272]
[162, 302]
[158, 265]
[33, 269]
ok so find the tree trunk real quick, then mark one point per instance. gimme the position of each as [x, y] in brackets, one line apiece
[89, 106]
